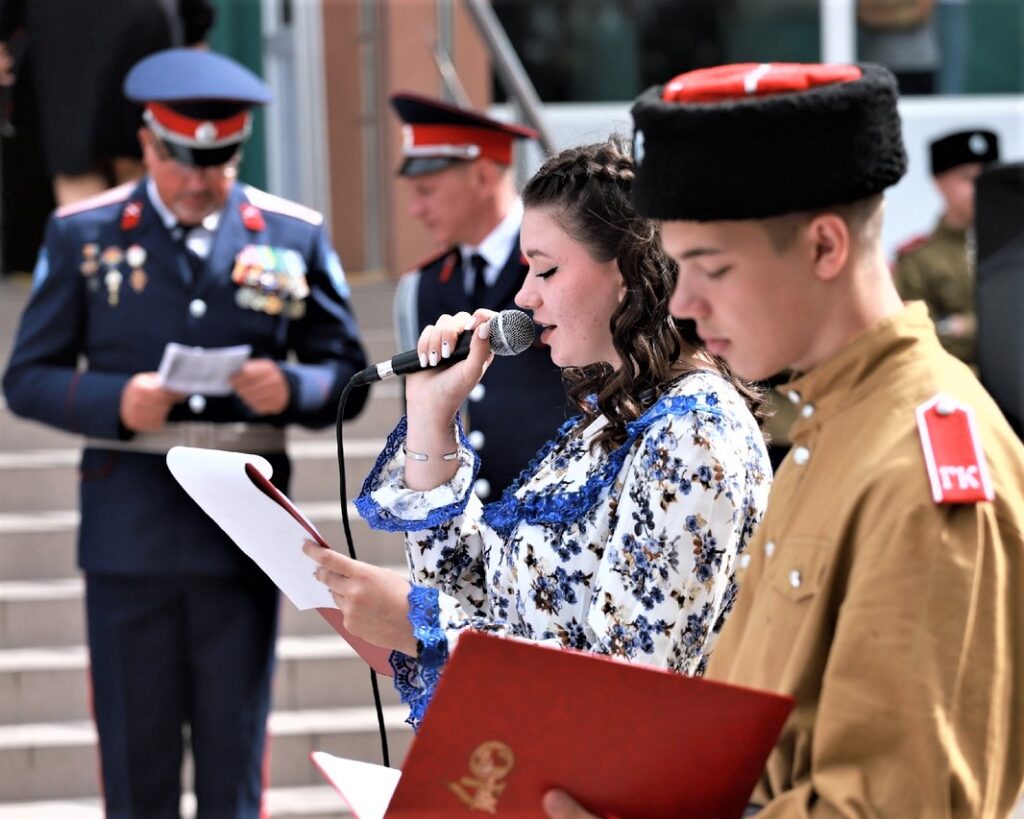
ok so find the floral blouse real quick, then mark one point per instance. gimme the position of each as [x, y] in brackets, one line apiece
[630, 553]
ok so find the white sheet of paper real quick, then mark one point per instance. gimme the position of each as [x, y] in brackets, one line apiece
[367, 788]
[200, 369]
[261, 528]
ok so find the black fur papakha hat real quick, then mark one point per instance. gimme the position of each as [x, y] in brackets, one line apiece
[752, 141]
[963, 148]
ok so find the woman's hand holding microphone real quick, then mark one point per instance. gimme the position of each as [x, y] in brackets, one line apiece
[434, 396]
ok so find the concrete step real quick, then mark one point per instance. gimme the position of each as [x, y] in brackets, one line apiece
[314, 671]
[51, 613]
[372, 302]
[59, 760]
[43, 479]
[39, 545]
[308, 802]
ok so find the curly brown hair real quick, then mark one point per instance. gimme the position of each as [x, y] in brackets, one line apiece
[586, 190]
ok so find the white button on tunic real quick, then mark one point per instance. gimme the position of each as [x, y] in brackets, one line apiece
[482, 488]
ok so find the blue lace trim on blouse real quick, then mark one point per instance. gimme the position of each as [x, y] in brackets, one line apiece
[565, 508]
[379, 518]
[416, 678]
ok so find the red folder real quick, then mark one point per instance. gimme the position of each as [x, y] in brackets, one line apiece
[511, 719]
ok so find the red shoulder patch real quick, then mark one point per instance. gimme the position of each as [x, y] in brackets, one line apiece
[252, 217]
[131, 214]
[913, 244]
[953, 454]
[437, 256]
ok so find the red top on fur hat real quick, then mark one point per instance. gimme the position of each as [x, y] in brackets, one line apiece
[726, 82]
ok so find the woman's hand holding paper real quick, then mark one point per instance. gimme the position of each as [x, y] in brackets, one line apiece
[373, 601]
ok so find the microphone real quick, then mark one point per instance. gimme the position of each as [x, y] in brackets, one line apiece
[511, 333]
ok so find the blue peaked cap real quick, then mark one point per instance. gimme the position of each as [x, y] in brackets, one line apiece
[194, 75]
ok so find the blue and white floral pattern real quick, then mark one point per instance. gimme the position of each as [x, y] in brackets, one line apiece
[629, 553]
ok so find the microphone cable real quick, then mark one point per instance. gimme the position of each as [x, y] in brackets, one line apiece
[352, 553]
[511, 333]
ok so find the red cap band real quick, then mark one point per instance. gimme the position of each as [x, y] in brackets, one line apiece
[199, 133]
[463, 141]
[726, 82]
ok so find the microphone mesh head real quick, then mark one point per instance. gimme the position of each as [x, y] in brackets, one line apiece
[511, 332]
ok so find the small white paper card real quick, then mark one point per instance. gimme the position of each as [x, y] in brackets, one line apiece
[202, 370]
[367, 788]
[261, 528]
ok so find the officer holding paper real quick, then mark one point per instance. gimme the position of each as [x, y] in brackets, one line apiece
[181, 624]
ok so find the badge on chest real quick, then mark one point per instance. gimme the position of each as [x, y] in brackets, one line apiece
[271, 280]
[104, 269]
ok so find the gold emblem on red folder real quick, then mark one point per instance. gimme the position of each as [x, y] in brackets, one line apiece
[489, 764]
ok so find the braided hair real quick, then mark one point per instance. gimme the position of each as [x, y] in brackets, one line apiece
[586, 190]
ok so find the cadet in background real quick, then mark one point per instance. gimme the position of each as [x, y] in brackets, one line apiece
[456, 163]
[938, 269]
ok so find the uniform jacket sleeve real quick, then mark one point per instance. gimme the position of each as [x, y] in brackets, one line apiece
[326, 344]
[43, 379]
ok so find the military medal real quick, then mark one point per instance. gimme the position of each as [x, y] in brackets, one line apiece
[297, 287]
[136, 257]
[89, 264]
[138, 279]
[112, 256]
[113, 280]
[245, 262]
[270, 280]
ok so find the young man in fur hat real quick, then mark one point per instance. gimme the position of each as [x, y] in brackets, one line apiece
[882, 588]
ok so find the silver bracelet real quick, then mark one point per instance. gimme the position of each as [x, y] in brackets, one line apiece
[422, 456]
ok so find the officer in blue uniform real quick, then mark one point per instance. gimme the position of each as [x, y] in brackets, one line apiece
[181, 624]
[456, 163]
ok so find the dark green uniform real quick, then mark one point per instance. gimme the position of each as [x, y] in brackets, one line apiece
[938, 270]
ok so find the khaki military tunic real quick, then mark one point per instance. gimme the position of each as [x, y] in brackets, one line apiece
[897, 624]
[938, 271]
